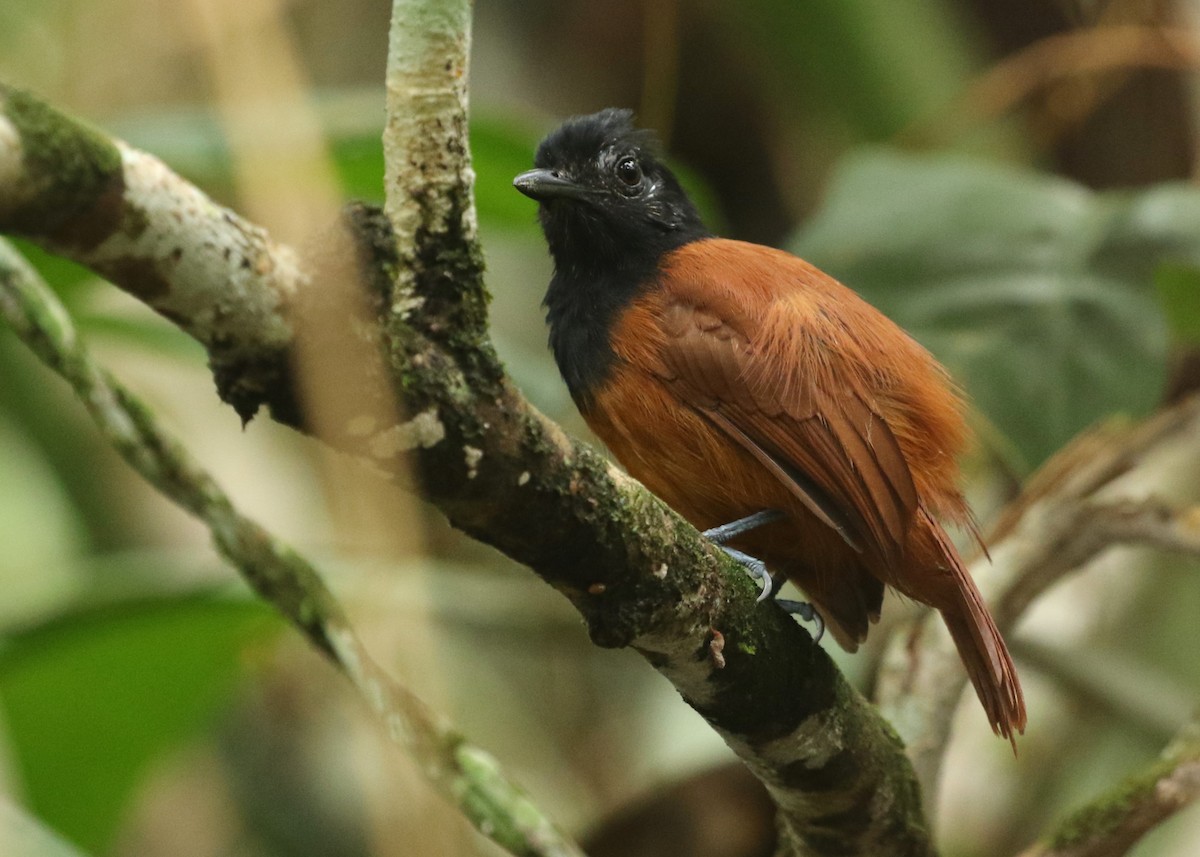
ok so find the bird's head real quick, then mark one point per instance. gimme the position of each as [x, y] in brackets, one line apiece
[605, 197]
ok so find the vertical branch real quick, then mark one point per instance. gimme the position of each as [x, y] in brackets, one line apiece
[428, 175]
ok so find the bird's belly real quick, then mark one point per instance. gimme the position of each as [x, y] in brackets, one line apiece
[676, 453]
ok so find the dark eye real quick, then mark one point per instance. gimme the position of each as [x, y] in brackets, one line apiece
[629, 171]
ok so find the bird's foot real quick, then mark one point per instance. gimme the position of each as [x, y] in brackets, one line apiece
[756, 568]
[805, 611]
[720, 535]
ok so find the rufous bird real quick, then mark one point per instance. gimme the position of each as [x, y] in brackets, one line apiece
[767, 403]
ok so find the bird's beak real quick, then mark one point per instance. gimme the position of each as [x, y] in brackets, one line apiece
[547, 184]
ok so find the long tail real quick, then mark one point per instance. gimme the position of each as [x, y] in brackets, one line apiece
[982, 649]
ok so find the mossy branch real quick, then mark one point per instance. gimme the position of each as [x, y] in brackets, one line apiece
[1113, 823]
[499, 470]
[503, 473]
[463, 773]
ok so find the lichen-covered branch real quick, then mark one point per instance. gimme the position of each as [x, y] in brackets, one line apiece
[428, 175]
[1113, 823]
[503, 473]
[465, 774]
[125, 215]
[1071, 512]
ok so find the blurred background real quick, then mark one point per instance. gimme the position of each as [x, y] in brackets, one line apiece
[1012, 181]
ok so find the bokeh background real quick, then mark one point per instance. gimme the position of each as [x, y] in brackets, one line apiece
[1010, 179]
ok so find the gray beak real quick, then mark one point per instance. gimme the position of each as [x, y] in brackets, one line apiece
[548, 184]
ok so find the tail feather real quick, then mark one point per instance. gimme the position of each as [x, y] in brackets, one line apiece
[989, 667]
[982, 649]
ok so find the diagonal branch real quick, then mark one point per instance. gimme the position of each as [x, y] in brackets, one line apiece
[503, 473]
[1113, 823]
[464, 774]
[126, 216]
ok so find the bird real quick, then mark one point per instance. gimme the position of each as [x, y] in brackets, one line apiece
[768, 404]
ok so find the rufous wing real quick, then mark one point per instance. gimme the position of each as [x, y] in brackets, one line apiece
[811, 424]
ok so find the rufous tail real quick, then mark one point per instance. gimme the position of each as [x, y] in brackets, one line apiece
[983, 653]
[979, 644]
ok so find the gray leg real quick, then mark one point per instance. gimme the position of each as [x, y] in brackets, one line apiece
[725, 532]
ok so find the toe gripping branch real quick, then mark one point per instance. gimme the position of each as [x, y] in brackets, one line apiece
[757, 569]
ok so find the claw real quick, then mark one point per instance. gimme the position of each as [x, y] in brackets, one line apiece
[756, 568]
[805, 611]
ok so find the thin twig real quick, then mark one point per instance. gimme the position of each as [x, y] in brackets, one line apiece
[465, 774]
[1111, 682]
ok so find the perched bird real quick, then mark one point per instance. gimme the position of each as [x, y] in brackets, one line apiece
[763, 400]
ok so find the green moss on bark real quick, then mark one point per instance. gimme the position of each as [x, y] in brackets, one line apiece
[76, 173]
[1100, 818]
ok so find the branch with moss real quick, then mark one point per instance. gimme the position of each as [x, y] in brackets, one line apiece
[500, 471]
[463, 773]
[125, 215]
[1071, 511]
[1113, 823]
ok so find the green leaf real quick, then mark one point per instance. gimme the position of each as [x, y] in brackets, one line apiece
[25, 836]
[1179, 290]
[359, 164]
[499, 151]
[92, 698]
[1036, 293]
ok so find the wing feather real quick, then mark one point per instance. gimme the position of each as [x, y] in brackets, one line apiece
[810, 423]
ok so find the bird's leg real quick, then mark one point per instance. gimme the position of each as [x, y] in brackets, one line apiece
[805, 611]
[733, 529]
[758, 570]
[755, 567]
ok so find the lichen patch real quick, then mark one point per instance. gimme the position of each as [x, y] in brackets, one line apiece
[472, 455]
[422, 431]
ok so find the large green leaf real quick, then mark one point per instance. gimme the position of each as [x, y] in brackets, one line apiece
[21, 834]
[91, 699]
[1037, 294]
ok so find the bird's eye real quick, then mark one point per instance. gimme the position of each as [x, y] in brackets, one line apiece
[629, 171]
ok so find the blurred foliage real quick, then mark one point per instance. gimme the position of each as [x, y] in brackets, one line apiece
[877, 65]
[1037, 294]
[1179, 291]
[91, 698]
[1051, 304]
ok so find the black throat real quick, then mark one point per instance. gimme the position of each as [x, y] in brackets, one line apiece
[592, 284]
[611, 212]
